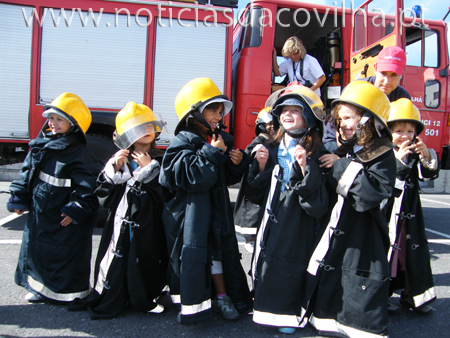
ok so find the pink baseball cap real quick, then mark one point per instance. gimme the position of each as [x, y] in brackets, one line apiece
[391, 59]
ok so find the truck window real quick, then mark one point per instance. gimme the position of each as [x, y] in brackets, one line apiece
[432, 93]
[103, 64]
[253, 29]
[431, 48]
[422, 43]
[360, 32]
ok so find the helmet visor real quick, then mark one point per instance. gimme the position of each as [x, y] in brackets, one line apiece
[132, 131]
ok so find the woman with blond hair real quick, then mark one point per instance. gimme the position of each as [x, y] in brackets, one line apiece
[299, 66]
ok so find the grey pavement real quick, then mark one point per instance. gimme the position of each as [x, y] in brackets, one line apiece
[18, 318]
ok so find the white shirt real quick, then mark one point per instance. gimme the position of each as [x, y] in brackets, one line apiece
[311, 70]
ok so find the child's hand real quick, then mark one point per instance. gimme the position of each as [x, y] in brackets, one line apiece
[66, 220]
[300, 156]
[236, 156]
[421, 148]
[262, 155]
[141, 158]
[328, 160]
[19, 212]
[119, 157]
[405, 149]
[217, 141]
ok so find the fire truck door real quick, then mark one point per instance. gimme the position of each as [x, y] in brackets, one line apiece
[374, 25]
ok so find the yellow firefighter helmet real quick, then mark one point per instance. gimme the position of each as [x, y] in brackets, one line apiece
[133, 122]
[71, 107]
[404, 110]
[195, 94]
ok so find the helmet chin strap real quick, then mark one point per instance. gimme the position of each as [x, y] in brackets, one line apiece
[297, 133]
[200, 119]
[355, 137]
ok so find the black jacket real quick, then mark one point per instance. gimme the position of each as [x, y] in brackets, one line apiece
[199, 226]
[58, 176]
[136, 272]
[407, 212]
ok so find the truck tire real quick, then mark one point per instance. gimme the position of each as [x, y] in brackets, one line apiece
[103, 148]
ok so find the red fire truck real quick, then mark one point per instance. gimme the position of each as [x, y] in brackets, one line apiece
[346, 42]
[110, 52]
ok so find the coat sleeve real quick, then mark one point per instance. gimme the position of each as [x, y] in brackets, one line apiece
[311, 188]
[83, 202]
[429, 170]
[110, 185]
[371, 185]
[189, 167]
[234, 173]
[258, 183]
[19, 188]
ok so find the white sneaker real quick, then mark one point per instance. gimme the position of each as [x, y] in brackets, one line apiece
[250, 246]
[32, 298]
[157, 309]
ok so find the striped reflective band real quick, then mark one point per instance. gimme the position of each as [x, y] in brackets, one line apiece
[57, 182]
[196, 308]
[64, 297]
[347, 178]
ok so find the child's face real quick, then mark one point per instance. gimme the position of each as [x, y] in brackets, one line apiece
[402, 131]
[291, 118]
[269, 128]
[147, 139]
[58, 124]
[213, 116]
[348, 120]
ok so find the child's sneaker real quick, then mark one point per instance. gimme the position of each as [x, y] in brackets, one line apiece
[250, 246]
[226, 308]
[33, 298]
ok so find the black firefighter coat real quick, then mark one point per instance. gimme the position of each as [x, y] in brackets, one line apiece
[411, 241]
[58, 176]
[132, 258]
[199, 226]
[349, 266]
[285, 239]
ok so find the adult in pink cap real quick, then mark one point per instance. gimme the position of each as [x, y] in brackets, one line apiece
[389, 69]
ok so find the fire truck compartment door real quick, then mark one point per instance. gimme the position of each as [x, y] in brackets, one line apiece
[180, 56]
[15, 59]
[374, 26]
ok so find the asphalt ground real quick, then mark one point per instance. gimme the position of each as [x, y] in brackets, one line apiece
[18, 318]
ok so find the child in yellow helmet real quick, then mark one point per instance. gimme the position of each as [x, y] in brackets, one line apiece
[132, 257]
[409, 256]
[348, 271]
[285, 180]
[205, 272]
[56, 186]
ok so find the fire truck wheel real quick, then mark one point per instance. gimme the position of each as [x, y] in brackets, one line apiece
[102, 147]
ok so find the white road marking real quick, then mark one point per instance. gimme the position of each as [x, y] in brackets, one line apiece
[10, 241]
[9, 219]
[439, 241]
[438, 233]
[424, 199]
